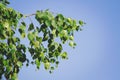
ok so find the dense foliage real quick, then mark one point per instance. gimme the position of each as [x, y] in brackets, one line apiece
[43, 46]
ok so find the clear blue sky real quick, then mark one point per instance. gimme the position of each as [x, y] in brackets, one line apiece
[97, 54]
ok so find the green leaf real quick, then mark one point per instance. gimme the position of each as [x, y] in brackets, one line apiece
[81, 23]
[52, 47]
[23, 23]
[52, 61]
[23, 35]
[38, 29]
[39, 39]
[5, 62]
[37, 62]
[45, 37]
[52, 68]
[60, 28]
[60, 48]
[20, 31]
[19, 15]
[47, 65]
[31, 50]
[6, 25]
[64, 55]
[23, 27]
[30, 36]
[12, 46]
[36, 44]
[22, 58]
[19, 64]
[72, 44]
[54, 24]
[42, 56]
[60, 17]
[48, 23]
[43, 28]
[14, 76]
[31, 27]
[71, 37]
[64, 33]
[57, 62]
[8, 68]
[12, 51]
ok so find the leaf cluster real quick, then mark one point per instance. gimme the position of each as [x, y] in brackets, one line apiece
[43, 47]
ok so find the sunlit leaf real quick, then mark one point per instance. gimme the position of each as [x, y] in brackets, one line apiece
[48, 23]
[37, 62]
[47, 65]
[23, 35]
[36, 44]
[19, 64]
[30, 36]
[71, 37]
[64, 55]
[81, 23]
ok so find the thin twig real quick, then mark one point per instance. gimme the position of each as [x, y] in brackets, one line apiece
[30, 19]
[30, 15]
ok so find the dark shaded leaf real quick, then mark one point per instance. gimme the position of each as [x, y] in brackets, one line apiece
[31, 27]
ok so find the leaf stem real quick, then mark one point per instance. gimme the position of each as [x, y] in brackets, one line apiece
[30, 15]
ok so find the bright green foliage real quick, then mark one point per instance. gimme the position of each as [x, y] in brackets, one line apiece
[5, 2]
[43, 46]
